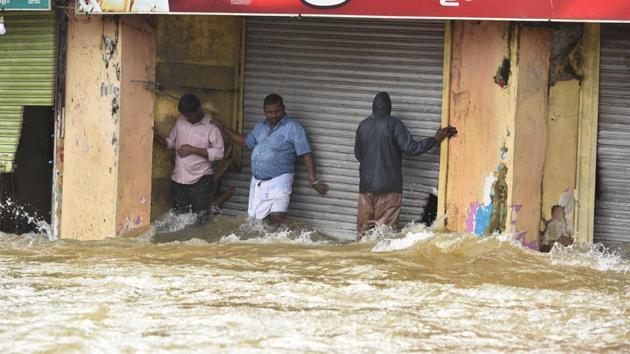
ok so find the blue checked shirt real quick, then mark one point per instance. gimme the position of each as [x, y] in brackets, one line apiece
[274, 150]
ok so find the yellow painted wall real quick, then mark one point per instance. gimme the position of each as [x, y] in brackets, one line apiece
[480, 110]
[136, 134]
[530, 134]
[200, 55]
[495, 165]
[587, 133]
[562, 135]
[108, 141]
[88, 209]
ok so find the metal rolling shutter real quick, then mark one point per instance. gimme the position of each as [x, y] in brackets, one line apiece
[328, 71]
[612, 205]
[27, 69]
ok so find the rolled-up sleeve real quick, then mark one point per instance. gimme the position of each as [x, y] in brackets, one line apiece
[300, 140]
[216, 148]
[250, 141]
[171, 139]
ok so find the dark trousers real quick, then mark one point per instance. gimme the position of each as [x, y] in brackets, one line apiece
[196, 197]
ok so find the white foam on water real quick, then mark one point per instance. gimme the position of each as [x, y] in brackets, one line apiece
[253, 231]
[377, 233]
[171, 222]
[398, 244]
[231, 238]
[43, 228]
[596, 256]
[28, 240]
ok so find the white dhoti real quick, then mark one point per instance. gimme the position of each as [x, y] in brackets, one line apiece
[271, 196]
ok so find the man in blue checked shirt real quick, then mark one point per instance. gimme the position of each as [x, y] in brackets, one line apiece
[276, 143]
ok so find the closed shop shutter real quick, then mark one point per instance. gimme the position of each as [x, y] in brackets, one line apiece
[328, 71]
[612, 205]
[27, 69]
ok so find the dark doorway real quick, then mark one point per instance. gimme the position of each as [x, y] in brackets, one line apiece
[29, 187]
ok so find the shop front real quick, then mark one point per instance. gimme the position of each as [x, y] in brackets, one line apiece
[328, 71]
[612, 204]
[494, 78]
[28, 68]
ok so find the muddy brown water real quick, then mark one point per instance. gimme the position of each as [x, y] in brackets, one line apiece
[231, 287]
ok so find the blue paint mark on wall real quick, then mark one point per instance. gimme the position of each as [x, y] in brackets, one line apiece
[482, 219]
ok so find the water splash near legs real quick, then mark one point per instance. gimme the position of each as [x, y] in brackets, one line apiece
[21, 216]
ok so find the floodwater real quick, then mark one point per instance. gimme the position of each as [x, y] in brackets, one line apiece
[235, 288]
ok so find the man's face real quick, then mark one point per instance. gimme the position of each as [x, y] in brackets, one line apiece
[194, 117]
[274, 113]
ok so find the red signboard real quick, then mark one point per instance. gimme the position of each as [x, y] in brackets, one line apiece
[569, 10]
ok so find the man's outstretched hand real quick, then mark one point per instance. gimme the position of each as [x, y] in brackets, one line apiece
[444, 133]
[321, 188]
[156, 130]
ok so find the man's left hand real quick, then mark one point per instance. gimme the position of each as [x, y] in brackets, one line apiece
[444, 133]
[321, 188]
[185, 150]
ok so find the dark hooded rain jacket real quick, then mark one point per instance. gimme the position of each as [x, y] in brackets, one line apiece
[380, 142]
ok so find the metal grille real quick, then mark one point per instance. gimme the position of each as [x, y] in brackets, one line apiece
[27, 67]
[328, 71]
[612, 205]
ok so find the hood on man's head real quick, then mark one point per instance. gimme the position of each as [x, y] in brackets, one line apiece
[382, 104]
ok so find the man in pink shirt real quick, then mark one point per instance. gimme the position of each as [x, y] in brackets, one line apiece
[197, 142]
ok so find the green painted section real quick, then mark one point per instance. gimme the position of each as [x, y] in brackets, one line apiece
[27, 70]
[25, 4]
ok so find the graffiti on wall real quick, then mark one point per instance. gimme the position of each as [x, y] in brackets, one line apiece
[489, 217]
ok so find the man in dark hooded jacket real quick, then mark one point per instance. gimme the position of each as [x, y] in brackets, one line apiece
[380, 142]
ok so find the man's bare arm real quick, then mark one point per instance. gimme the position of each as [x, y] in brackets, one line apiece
[320, 187]
[232, 134]
[157, 137]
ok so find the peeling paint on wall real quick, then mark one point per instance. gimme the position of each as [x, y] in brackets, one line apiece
[490, 216]
[109, 46]
[504, 150]
[520, 235]
[471, 219]
[499, 201]
[566, 201]
[482, 219]
[111, 85]
[109, 89]
[502, 76]
[515, 210]
[129, 225]
[487, 188]
[565, 54]
[522, 238]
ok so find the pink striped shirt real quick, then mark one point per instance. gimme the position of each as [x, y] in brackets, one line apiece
[202, 135]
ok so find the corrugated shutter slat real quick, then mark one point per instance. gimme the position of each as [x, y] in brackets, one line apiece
[27, 69]
[328, 71]
[612, 206]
